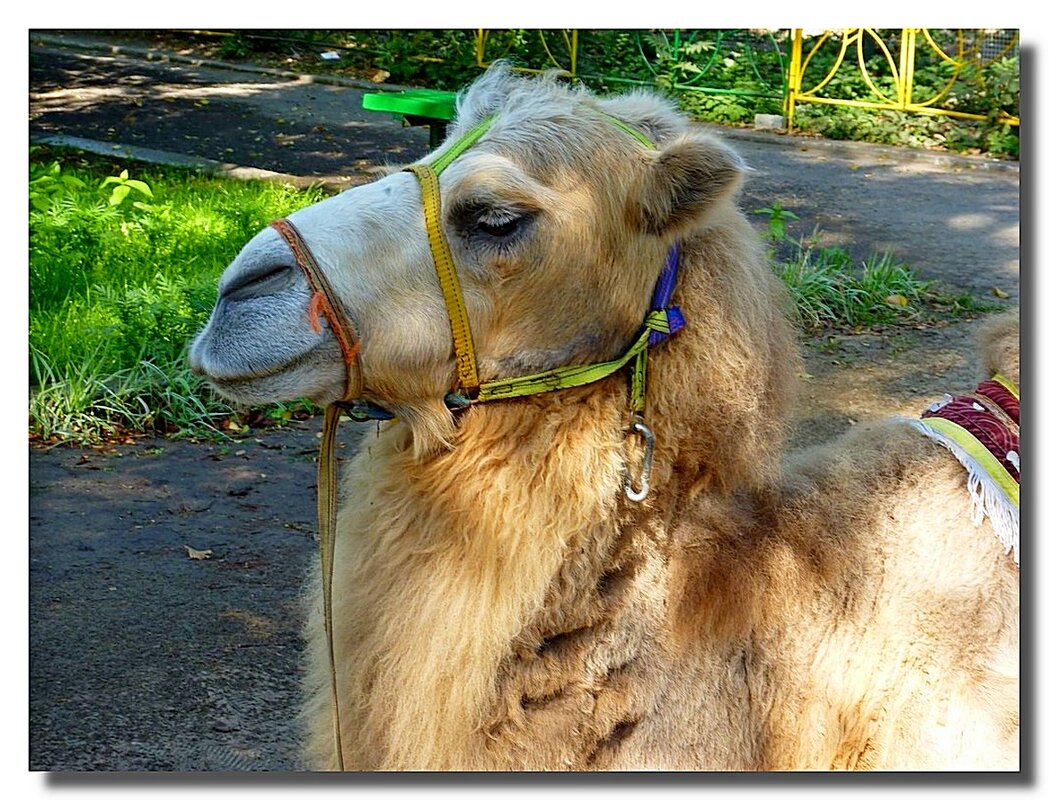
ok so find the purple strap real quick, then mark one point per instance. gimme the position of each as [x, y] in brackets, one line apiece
[661, 297]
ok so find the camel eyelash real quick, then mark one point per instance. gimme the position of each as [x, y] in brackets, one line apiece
[492, 226]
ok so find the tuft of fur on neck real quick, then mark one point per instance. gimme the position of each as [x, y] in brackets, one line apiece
[721, 391]
[440, 561]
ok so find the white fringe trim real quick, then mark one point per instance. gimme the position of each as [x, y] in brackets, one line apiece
[987, 497]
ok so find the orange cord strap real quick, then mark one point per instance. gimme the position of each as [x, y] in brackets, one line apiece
[325, 300]
[313, 312]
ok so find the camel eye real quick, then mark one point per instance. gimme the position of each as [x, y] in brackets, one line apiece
[500, 229]
[498, 226]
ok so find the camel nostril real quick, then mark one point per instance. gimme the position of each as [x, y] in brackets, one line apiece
[259, 282]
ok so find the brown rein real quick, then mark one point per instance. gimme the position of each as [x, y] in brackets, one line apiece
[325, 300]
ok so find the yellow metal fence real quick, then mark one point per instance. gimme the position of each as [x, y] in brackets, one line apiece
[823, 65]
[858, 46]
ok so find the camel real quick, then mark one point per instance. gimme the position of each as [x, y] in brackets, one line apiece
[500, 597]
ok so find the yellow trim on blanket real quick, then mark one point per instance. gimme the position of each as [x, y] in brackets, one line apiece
[1009, 385]
[974, 448]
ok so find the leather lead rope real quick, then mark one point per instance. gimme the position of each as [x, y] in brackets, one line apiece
[327, 480]
[327, 514]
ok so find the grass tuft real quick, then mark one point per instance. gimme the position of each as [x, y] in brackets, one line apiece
[830, 291]
[124, 264]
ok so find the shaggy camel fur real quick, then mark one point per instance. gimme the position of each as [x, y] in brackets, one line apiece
[498, 603]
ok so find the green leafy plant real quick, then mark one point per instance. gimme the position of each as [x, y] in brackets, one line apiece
[118, 287]
[435, 59]
[777, 221]
[49, 185]
[676, 62]
[236, 46]
[123, 186]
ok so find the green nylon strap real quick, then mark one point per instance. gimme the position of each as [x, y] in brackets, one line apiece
[640, 137]
[464, 142]
[638, 379]
[579, 375]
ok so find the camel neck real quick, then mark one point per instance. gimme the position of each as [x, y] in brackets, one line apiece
[516, 536]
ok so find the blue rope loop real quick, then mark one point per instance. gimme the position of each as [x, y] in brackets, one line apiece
[661, 297]
[675, 321]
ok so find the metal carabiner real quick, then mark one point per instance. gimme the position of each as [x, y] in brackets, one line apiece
[641, 493]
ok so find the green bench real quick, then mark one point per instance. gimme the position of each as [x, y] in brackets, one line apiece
[430, 107]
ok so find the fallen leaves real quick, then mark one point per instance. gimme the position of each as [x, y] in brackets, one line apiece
[193, 553]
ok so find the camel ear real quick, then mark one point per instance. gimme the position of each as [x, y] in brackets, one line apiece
[688, 179]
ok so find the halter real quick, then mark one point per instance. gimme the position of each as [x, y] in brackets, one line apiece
[661, 321]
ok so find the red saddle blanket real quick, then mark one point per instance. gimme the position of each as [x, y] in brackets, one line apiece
[982, 430]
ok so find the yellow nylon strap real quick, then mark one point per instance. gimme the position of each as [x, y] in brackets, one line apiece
[462, 337]
[465, 360]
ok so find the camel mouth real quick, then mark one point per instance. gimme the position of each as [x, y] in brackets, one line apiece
[291, 378]
[260, 374]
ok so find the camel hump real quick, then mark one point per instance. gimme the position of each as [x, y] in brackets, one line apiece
[999, 345]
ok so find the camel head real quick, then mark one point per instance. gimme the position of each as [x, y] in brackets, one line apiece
[558, 219]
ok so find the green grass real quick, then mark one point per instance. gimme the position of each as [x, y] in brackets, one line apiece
[830, 291]
[123, 270]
